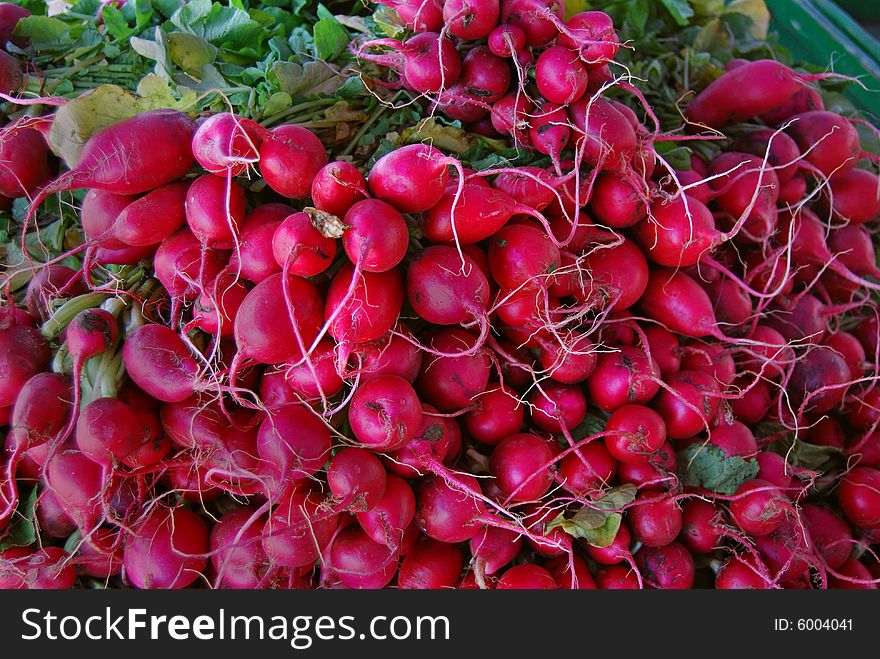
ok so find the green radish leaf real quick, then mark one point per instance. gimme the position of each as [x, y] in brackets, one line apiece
[680, 10]
[599, 521]
[707, 466]
[116, 24]
[44, 31]
[331, 38]
[189, 52]
[22, 531]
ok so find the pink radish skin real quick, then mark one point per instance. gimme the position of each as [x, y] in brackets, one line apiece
[412, 178]
[376, 237]
[832, 141]
[386, 522]
[293, 443]
[451, 382]
[290, 157]
[359, 562]
[357, 479]
[226, 144]
[445, 288]
[152, 218]
[166, 549]
[158, 361]
[264, 332]
[470, 19]
[369, 312]
[300, 249]
[530, 17]
[560, 75]
[254, 257]
[215, 211]
[385, 413]
[337, 187]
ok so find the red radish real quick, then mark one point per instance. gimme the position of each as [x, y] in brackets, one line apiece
[470, 19]
[160, 363]
[497, 414]
[295, 383]
[747, 189]
[264, 331]
[430, 565]
[617, 577]
[493, 548]
[592, 34]
[550, 131]
[98, 216]
[616, 552]
[376, 236]
[362, 307]
[665, 349]
[150, 219]
[517, 463]
[615, 202]
[734, 439]
[298, 529]
[446, 513]
[474, 215]
[23, 353]
[854, 569]
[385, 413]
[739, 574]
[445, 288]
[618, 275]
[216, 308]
[527, 576]
[608, 138]
[510, 116]
[80, 486]
[700, 531]
[859, 497]
[300, 249]
[29, 568]
[854, 196]
[359, 562]
[483, 74]
[390, 354]
[131, 156]
[451, 382]
[386, 522]
[337, 187]
[621, 377]
[558, 406]
[100, 555]
[418, 15]
[430, 443]
[668, 567]
[759, 508]
[831, 535]
[412, 178]
[226, 144]
[108, 432]
[166, 550]
[677, 301]
[538, 19]
[254, 258]
[10, 15]
[51, 516]
[780, 149]
[588, 469]
[290, 157]
[49, 283]
[560, 75]
[654, 522]
[294, 443]
[215, 210]
[819, 380]
[806, 99]
[356, 478]
[693, 405]
[787, 554]
[25, 157]
[237, 556]
[182, 264]
[746, 91]
[519, 253]
[678, 233]
[644, 433]
[507, 39]
[829, 141]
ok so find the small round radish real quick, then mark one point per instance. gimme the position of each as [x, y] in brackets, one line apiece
[337, 187]
[385, 413]
[290, 157]
[518, 465]
[300, 249]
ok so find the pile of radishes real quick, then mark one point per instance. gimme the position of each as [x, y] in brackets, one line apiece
[418, 375]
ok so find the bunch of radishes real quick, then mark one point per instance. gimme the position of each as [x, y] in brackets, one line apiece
[426, 376]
